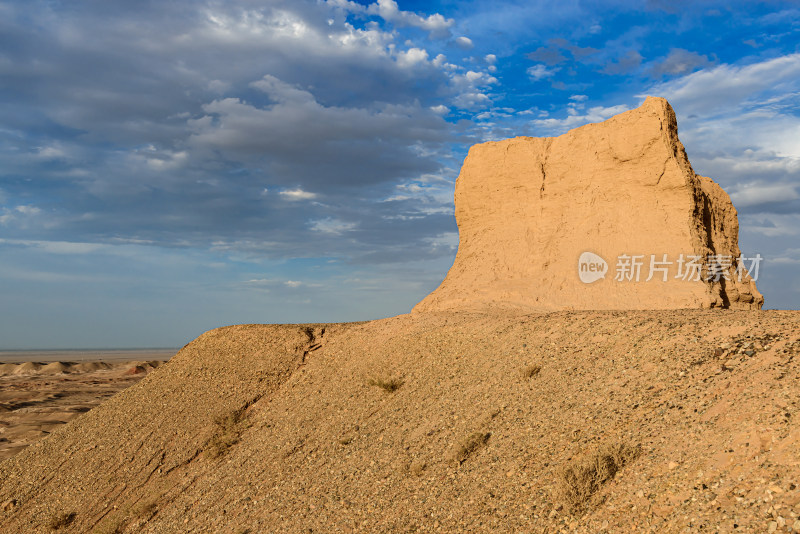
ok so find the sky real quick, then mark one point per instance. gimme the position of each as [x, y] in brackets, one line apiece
[168, 167]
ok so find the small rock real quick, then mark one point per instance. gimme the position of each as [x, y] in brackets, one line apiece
[796, 525]
[672, 465]
[773, 526]
[749, 352]
[10, 504]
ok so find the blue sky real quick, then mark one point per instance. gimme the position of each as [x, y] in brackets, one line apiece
[171, 167]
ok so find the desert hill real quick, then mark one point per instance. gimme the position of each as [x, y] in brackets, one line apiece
[441, 422]
[484, 410]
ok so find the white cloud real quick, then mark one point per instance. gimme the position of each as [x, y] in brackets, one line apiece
[56, 247]
[770, 224]
[435, 24]
[283, 92]
[739, 126]
[218, 86]
[294, 195]
[162, 160]
[789, 256]
[293, 283]
[331, 226]
[540, 72]
[27, 210]
[412, 57]
[440, 109]
[472, 100]
[447, 241]
[725, 88]
[19, 214]
[575, 119]
[51, 152]
[470, 86]
[464, 42]
[759, 193]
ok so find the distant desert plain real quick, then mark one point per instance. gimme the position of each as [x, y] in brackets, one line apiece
[41, 390]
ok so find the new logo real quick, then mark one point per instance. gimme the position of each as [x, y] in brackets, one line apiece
[591, 267]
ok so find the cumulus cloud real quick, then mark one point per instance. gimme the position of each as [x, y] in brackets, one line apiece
[226, 118]
[464, 43]
[351, 145]
[555, 126]
[540, 72]
[412, 57]
[436, 24]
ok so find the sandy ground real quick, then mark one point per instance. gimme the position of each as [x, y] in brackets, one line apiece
[447, 422]
[40, 391]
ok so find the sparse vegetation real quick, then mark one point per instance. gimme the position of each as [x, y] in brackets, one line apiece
[109, 526]
[531, 371]
[469, 445]
[580, 480]
[127, 517]
[146, 510]
[228, 429]
[417, 467]
[390, 385]
[61, 520]
[309, 332]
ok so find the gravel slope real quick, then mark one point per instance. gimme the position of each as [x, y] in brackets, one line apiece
[438, 422]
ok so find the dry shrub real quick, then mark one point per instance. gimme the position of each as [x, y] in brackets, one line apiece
[228, 430]
[59, 521]
[109, 525]
[580, 480]
[469, 445]
[531, 371]
[146, 510]
[417, 467]
[390, 385]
